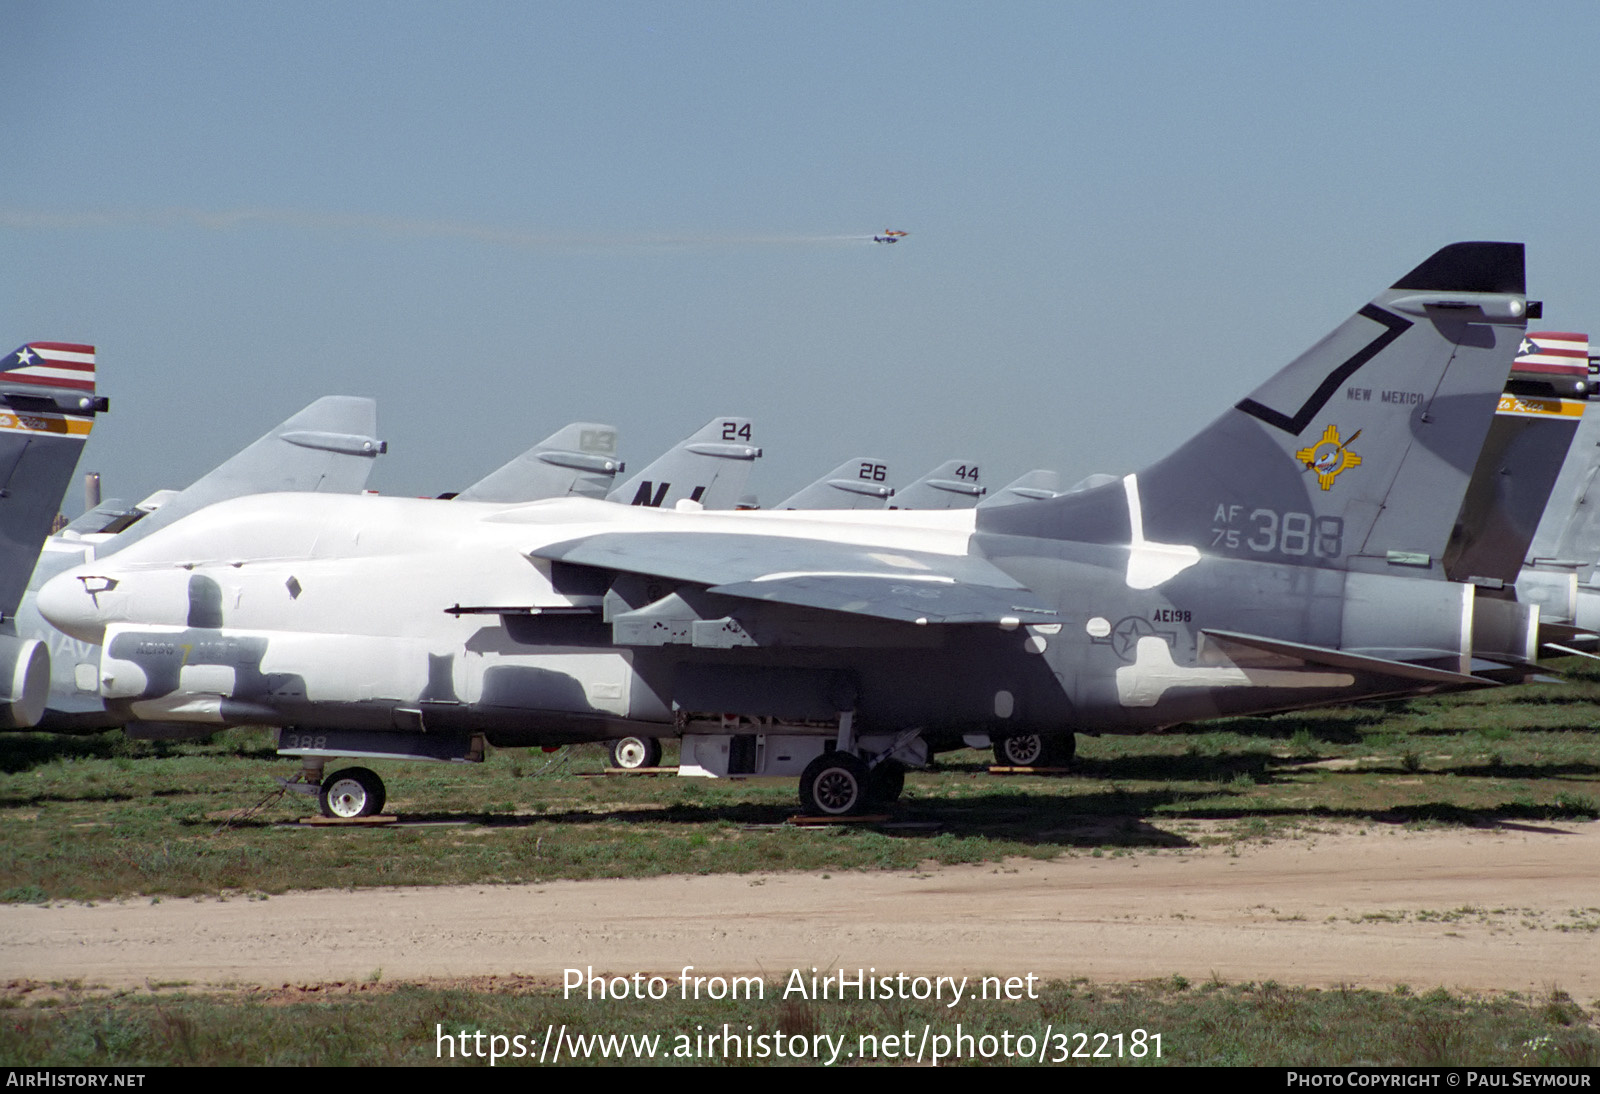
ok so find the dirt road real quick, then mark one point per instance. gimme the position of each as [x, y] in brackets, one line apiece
[1512, 908]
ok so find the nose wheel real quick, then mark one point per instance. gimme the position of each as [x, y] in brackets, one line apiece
[351, 792]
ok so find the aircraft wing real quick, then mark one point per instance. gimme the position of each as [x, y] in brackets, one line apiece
[884, 583]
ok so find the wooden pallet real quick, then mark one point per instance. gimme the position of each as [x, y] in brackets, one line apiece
[803, 821]
[359, 822]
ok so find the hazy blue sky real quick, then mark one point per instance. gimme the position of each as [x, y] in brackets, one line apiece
[497, 218]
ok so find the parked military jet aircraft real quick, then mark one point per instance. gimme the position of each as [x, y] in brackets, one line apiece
[330, 446]
[1246, 572]
[1534, 424]
[47, 409]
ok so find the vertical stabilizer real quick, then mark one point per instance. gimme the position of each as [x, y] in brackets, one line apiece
[1357, 455]
[954, 484]
[578, 460]
[1568, 536]
[710, 468]
[861, 483]
[1037, 485]
[329, 447]
[1526, 450]
[47, 408]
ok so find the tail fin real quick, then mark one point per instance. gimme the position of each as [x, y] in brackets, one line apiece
[1528, 444]
[577, 460]
[329, 447]
[861, 483]
[1037, 485]
[47, 408]
[1568, 537]
[710, 468]
[1355, 456]
[954, 484]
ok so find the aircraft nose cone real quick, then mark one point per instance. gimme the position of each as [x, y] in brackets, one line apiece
[69, 601]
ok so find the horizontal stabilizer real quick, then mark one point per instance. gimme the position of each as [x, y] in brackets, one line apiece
[1355, 662]
[1568, 651]
[110, 516]
[1566, 634]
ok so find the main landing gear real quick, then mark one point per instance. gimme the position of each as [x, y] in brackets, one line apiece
[842, 782]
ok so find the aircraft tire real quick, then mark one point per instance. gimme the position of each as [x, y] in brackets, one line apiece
[632, 753]
[835, 784]
[1023, 750]
[1036, 750]
[352, 792]
[887, 781]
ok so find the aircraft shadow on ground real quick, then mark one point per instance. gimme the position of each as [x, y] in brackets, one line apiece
[1123, 818]
[25, 801]
[1224, 766]
[20, 752]
[1343, 729]
[25, 751]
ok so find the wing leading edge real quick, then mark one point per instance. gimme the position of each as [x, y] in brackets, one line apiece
[883, 583]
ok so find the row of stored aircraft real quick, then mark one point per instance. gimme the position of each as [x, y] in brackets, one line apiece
[1356, 528]
[331, 446]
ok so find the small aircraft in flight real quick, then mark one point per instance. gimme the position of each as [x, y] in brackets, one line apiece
[890, 235]
[843, 646]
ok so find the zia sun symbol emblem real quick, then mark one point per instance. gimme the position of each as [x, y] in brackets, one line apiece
[1330, 456]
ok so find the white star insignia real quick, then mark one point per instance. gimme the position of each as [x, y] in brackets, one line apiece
[24, 357]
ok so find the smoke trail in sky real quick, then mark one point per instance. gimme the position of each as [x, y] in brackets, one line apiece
[394, 227]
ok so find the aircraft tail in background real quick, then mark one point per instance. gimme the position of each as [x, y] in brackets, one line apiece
[577, 460]
[710, 468]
